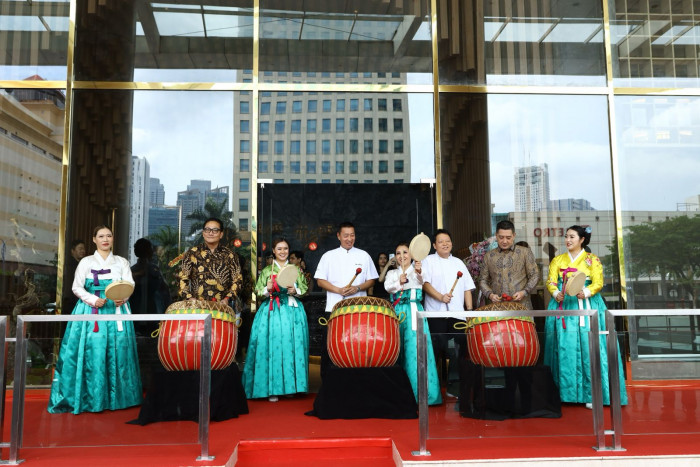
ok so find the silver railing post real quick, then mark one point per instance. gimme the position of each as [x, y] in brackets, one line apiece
[204, 390]
[596, 383]
[19, 384]
[614, 378]
[421, 343]
[3, 369]
[18, 391]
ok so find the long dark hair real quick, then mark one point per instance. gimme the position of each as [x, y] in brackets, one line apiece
[584, 233]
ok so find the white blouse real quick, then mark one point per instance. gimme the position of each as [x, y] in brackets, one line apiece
[119, 270]
[392, 282]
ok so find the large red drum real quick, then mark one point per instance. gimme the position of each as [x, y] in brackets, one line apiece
[179, 342]
[501, 342]
[363, 332]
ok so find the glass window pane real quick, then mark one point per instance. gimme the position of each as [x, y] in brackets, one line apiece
[656, 44]
[331, 39]
[658, 141]
[548, 43]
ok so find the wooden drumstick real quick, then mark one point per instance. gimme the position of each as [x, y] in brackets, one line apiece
[459, 274]
[357, 273]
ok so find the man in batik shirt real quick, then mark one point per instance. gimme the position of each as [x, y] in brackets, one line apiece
[509, 271]
[210, 271]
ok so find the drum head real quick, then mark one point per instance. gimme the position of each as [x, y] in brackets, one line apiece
[287, 276]
[575, 282]
[419, 248]
[119, 290]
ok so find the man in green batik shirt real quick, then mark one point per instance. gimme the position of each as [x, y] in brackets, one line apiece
[509, 269]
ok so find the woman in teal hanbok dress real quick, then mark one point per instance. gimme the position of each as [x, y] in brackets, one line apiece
[98, 366]
[277, 362]
[405, 285]
[566, 337]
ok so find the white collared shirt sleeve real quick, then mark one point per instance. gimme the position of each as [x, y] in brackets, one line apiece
[392, 282]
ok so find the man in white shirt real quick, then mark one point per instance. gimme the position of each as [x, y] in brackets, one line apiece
[335, 271]
[447, 286]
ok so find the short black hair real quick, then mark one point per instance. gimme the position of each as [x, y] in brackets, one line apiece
[344, 225]
[298, 253]
[441, 231]
[505, 225]
[523, 243]
[214, 219]
[75, 243]
[143, 248]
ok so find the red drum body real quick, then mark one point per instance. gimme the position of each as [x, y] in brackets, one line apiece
[363, 332]
[179, 342]
[503, 342]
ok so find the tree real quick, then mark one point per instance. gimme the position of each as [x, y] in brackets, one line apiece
[213, 209]
[669, 249]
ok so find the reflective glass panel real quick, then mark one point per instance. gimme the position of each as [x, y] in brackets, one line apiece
[540, 161]
[545, 43]
[144, 41]
[34, 40]
[408, 155]
[656, 43]
[334, 42]
[659, 143]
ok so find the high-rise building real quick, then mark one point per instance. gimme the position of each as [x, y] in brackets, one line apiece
[531, 188]
[220, 195]
[30, 175]
[157, 192]
[333, 137]
[140, 197]
[188, 201]
[570, 204]
[203, 187]
[160, 217]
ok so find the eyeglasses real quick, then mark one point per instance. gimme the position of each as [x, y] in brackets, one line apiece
[207, 230]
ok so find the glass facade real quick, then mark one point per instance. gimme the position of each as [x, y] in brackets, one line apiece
[525, 117]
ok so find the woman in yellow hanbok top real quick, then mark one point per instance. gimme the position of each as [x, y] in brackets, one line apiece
[566, 337]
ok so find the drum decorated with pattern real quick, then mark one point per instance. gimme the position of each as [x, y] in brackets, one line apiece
[363, 332]
[501, 342]
[179, 342]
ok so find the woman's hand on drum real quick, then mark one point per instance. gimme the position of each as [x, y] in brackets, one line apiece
[417, 267]
[269, 285]
[291, 290]
[581, 295]
[119, 302]
[403, 279]
[559, 297]
[100, 302]
[446, 298]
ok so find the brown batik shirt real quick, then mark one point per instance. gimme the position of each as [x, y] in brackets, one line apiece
[509, 271]
[210, 275]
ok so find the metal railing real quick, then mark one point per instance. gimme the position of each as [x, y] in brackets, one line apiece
[615, 402]
[21, 341]
[594, 356]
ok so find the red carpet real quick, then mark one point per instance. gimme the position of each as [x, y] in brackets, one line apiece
[660, 420]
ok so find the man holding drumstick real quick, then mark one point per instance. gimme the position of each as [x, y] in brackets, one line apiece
[343, 273]
[447, 286]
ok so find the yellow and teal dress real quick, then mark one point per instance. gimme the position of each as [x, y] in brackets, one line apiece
[566, 337]
[277, 362]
